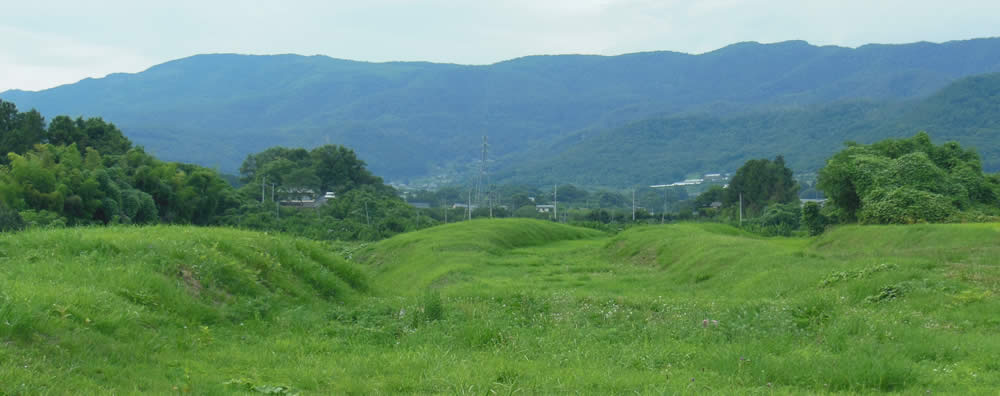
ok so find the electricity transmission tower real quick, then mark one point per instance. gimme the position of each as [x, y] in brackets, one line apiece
[483, 187]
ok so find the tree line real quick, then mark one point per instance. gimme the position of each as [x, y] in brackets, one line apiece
[893, 181]
[73, 172]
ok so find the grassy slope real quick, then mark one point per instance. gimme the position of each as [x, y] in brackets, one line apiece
[528, 306]
[143, 309]
[410, 262]
[902, 308]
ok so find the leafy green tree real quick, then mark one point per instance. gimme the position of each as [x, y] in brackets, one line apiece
[761, 182]
[813, 218]
[608, 199]
[906, 181]
[19, 131]
[713, 194]
[777, 219]
[569, 193]
[528, 211]
[94, 133]
[599, 215]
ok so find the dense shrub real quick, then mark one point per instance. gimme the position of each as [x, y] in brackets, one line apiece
[776, 220]
[10, 220]
[904, 205]
[42, 218]
[899, 181]
[813, 219]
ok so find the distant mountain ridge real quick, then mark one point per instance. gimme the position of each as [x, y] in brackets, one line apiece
[415, 119]
[662, 150]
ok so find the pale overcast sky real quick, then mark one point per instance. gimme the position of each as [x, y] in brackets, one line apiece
[47, 43]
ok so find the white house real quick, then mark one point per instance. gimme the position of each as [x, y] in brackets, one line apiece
[545, 208]
[304, 198]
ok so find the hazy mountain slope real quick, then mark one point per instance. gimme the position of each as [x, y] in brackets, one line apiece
[406, 118]
[662, 150]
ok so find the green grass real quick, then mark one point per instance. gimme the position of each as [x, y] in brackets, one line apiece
[503, 306]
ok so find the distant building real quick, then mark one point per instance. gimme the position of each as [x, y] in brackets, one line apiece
[545, 208]
[420, 205]
[686, 182]
[715, 205]
[821, 202]
[305, 198]
[463, 206]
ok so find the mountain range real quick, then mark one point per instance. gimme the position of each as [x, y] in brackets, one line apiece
[593, 120]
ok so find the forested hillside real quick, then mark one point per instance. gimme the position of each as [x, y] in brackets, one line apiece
[412, 119]
[662, 150]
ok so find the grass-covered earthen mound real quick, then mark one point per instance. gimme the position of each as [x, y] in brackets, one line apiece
[503, 307]
[114, 308]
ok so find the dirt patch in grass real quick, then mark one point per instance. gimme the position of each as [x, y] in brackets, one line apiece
[193, 285]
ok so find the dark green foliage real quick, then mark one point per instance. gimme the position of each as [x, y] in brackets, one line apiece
[10, 220]
[147, 213]
[766, 193]
[904, 205]
[776, 219]
[433, 308]
[887, 293]
[713, 194]
[906, 181]
[760, 183]
[93, 133]
[529, 211]
[364, 208]
[599, 215]
[71, 181]
[107, 189]
[813, 219]
[326, 168]
[19, 132]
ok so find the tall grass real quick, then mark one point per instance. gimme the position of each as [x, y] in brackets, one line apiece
[506, 307]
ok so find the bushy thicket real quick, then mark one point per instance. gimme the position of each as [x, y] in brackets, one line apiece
[10, 220]
[902, 181]
[813, 219]
[56, 185]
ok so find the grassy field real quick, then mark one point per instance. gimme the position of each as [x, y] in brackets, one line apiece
[503, 307]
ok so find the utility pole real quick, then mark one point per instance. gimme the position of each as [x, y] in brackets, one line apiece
[555, 201]
[483, 180]
[367, 219]
[469, 208]
[277, 214]
[262, 184]
[663, 214]
[741, 208]
[633, 204]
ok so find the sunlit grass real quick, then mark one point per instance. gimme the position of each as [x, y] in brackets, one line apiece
[512, 306]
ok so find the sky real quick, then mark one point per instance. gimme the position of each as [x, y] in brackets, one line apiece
[49, 43]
